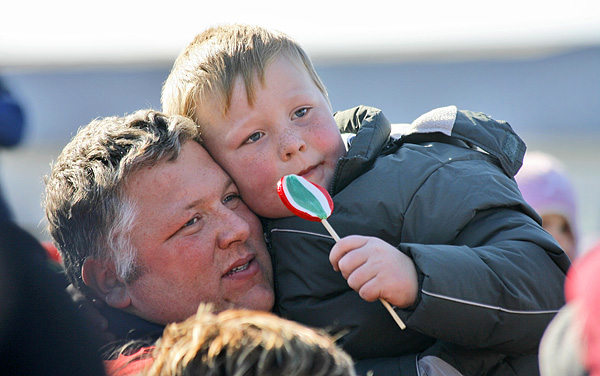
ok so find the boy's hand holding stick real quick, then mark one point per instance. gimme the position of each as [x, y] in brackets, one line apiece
[313, 203]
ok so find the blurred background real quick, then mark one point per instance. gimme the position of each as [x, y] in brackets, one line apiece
[535, 64]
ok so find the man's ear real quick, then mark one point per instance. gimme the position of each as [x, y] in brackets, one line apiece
[101, 277]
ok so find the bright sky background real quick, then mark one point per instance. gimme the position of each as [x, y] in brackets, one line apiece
[72, 32]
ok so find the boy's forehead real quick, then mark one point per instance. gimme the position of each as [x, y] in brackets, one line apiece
[214, 106]
[220, 95]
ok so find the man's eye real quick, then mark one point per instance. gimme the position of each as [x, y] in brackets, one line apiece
[231, 198]
[300, 113]
[255, 137]
[191, 222]
[232, 201]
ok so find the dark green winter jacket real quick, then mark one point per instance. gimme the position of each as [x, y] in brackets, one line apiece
[491, 278]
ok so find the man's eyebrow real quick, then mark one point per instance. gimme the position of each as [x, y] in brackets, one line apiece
[183, 207]
[193, 204]
[227, 183]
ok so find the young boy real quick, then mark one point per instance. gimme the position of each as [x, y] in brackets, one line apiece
[432, 222]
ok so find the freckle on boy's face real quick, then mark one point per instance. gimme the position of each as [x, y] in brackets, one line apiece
[289, 129]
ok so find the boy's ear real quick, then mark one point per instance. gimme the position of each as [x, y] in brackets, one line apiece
[101, 277]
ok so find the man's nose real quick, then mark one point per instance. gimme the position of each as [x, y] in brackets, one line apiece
[291, 142]
[233, 229]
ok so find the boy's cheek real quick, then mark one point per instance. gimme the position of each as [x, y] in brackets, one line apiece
[266, 203]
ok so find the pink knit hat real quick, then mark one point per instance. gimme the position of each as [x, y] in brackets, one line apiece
[545, 186]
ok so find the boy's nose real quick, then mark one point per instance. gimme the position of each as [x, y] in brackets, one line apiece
[291, 143]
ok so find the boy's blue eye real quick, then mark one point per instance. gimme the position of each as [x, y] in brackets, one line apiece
[255, 137]
[301, 112]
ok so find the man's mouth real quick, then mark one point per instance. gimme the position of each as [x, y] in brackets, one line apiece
[238, 269]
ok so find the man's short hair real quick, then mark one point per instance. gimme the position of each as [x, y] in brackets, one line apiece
[87, 211]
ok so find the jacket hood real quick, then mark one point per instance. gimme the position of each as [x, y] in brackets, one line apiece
[494, 137]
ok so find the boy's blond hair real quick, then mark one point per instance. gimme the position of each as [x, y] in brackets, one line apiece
[244, 343]
[209, 65]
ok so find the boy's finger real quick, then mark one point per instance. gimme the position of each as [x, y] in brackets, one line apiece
[343, 247]
[369, 290]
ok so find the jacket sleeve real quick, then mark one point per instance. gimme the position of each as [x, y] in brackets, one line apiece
[490, 276]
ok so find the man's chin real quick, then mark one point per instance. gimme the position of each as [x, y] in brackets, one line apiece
[260, 298]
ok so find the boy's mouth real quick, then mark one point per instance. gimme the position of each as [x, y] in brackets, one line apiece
[307, 171]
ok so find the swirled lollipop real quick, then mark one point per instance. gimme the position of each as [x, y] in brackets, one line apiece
[312, 202]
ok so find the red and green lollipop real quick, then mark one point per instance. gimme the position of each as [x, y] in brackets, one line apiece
[312, 202]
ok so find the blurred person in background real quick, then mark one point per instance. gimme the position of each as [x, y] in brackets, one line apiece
[546, 186]
[41, 331]
[238, 342]
[571, 343]
[12, 123]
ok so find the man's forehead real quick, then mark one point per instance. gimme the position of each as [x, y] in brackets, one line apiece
[168, 180]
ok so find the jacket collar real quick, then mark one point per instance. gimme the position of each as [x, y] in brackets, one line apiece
[372, 131]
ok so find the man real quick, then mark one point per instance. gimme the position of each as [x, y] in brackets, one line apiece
[148, 223]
